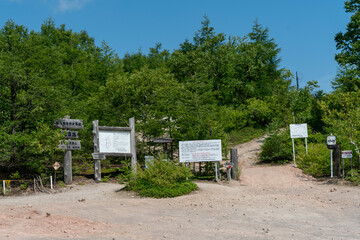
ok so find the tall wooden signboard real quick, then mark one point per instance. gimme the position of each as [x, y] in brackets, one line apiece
[68, 144]
[113, 142]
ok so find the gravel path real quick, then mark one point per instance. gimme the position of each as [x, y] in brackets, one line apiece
[269, 202]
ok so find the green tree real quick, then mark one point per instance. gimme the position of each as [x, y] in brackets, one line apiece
[348, 44]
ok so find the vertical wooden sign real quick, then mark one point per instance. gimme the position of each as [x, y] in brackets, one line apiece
[69, 145]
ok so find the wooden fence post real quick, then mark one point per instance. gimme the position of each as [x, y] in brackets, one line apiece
[337, 160]
[235, 162]
[97, 162]
[133, 144]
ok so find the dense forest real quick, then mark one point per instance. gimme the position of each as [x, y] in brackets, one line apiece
[212, 87]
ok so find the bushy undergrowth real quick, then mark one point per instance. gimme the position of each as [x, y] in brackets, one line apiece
[316, 162]
[353, 176]
[162, 179]
[277, 148]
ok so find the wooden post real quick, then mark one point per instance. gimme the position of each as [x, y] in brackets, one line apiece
[97, 163]
[97, 170]
[235, 161]
[67, 164]
[133, 144]
[228, 173]
[67, 167]
[337, 160]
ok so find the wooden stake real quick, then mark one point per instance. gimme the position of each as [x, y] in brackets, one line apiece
[67, 167]
[133, 144]
[235, 162]
[97, 164]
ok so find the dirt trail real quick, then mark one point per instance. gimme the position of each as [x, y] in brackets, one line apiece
[269, 202]
[261, 176]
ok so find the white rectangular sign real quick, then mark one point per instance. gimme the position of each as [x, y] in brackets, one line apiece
[346, 154]
[298, 130]
[200, 151]
[69, 145]
[114, 141]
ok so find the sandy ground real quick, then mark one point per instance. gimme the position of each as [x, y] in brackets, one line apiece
[269, 202]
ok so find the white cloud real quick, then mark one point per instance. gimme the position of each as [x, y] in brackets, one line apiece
[69, 5]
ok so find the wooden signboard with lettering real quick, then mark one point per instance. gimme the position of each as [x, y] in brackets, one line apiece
[70, 145]
[69, 123]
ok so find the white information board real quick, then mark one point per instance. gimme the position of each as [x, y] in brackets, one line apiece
[114, 141]
[346, 154]
[200, 151]
[298, 130]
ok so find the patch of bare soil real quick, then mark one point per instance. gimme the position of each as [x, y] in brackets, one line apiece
[269, 202]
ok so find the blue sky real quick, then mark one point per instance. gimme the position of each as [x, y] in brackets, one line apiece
[303, 29]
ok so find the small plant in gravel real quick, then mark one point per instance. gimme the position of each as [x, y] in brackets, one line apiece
[162, 179]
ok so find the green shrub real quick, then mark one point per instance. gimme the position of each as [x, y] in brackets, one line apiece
[162, 179]
[353, 176]
[277, 148]
[316, 162]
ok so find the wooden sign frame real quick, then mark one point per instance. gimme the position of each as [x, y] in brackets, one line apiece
[97, 155]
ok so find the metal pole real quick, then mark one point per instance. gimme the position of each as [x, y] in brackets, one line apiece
[343, 172]
[331, 163]
[51, 183]
[306, 146]
[4, 189]
[351, 168]
[293, 145]
[216, 172]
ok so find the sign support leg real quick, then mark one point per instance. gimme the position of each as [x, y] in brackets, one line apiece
[293, 145]
[216, 172]
[133, 144]
[67, 167]
[97, 170]
[343, 171]
[306, 146]
[331, 164]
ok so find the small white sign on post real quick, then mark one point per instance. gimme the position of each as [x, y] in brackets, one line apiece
[298, 131]
[331, 143]
[346, 154]
[331, 140]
